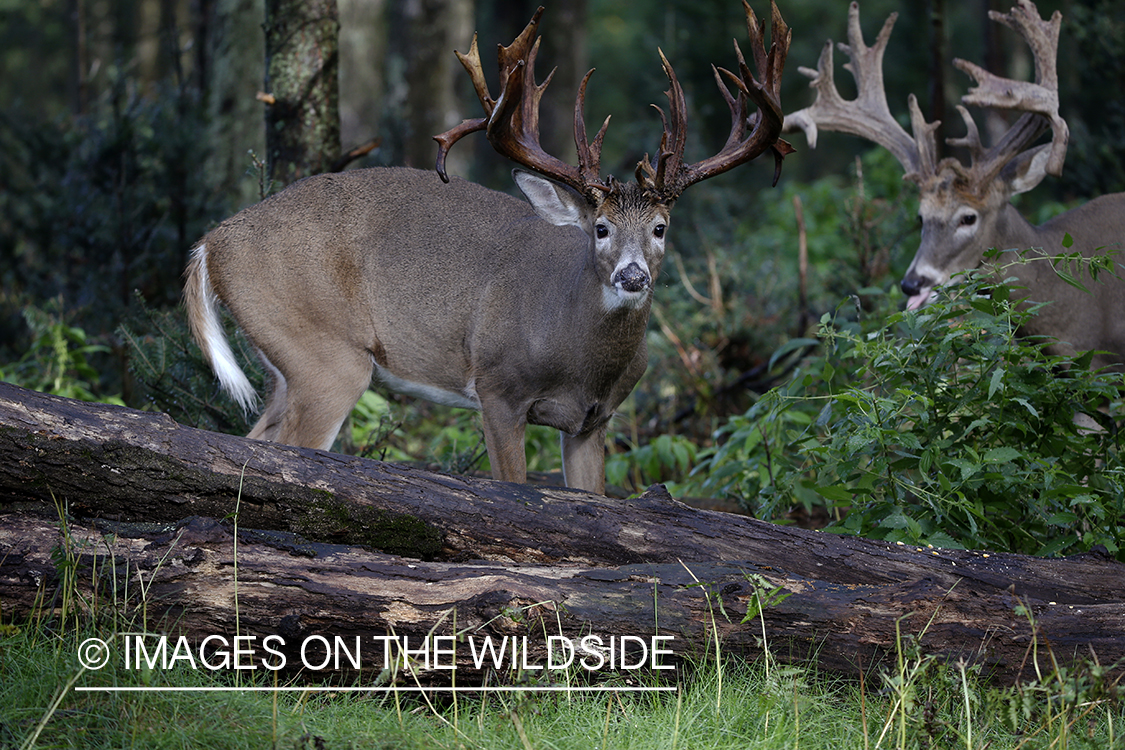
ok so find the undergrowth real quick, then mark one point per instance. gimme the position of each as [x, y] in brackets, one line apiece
[939, 426]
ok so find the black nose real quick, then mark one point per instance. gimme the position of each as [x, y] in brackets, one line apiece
[631, 278]
[912, 284]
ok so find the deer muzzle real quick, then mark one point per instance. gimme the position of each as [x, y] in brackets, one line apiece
[917, 289]
[632, 278]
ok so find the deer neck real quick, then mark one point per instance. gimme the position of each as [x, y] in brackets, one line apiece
[1014, 232]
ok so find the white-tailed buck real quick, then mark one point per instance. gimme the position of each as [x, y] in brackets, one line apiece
[462, 295]
[965, 210]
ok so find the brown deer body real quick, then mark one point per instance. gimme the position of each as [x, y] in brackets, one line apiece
[966, 210]
[532, 312]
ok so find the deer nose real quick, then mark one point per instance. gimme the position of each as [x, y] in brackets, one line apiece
[912, 284]
[631, 278]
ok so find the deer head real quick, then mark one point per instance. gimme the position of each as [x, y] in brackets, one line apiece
[511, 123]
[962, 207]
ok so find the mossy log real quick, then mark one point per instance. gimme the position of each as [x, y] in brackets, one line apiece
[345, 546]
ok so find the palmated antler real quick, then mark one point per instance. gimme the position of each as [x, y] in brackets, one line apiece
[1037, 100]
[667, 174]
[511, 122]
[869, 117]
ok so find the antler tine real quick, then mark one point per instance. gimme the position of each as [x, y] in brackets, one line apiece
[511, 122]
[670, 176]
[971, 139]
[589, 154]
[471, 63]
[925, 141]
[1039, 98]
[868, 115]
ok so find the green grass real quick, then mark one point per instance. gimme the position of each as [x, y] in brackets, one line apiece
[921, 704]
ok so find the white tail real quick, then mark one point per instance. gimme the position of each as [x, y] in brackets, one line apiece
[533, 312]
[966, 210]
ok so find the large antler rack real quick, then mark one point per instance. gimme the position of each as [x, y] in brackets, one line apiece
[511, 122]
[1037, 100]
[667, 174]
[868, 115]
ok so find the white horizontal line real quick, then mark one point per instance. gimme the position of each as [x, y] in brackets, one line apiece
[468, 689]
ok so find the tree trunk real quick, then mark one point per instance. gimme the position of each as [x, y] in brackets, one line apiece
[589, 564]
[938, 61]
[432, 29]
[302, 61]
[236, 120]
[363, 56]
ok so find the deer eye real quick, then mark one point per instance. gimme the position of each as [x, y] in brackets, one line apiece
[602, 231]
[968, 220]
[658, 231]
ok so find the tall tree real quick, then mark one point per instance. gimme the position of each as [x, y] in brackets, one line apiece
[938, 61]
[302, 61]
[363, 78]
[432, 29]
[236, 48]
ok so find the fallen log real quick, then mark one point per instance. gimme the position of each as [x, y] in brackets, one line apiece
[184, 582]
[587, 563]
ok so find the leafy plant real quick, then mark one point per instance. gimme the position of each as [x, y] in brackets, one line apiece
[938, 427]
[664, 458]
[170, 375]
[57, 361]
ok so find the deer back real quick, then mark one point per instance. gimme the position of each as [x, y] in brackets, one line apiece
[1080, 319]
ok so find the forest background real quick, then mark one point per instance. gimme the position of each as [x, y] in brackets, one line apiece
[128, 128]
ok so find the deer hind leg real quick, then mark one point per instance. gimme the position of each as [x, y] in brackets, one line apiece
[504, 439]
[584, 460]
[269, 424]
[318, 388]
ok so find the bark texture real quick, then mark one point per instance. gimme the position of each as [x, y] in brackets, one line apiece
[302, 63]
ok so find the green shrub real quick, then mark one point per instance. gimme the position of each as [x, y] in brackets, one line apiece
[57, 360]
[939, 427]
[169, 373]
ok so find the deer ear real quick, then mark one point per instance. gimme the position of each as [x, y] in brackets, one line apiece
[1027, 170]
[554, 202]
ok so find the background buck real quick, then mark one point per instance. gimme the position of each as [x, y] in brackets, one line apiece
[462, 295]
[966, 210]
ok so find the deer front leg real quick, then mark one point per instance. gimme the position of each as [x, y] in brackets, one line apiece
[504, 439]
[584, 460]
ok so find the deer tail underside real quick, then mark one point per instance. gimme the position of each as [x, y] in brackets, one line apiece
[207, 330]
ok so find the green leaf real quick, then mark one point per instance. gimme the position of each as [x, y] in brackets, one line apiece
[1001, 455]
[1063, 518]
[835, 492]
[1024, 403]
[789, 346]
[943, 540]
[997, 382]
[968, 468]
[1067, 240]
